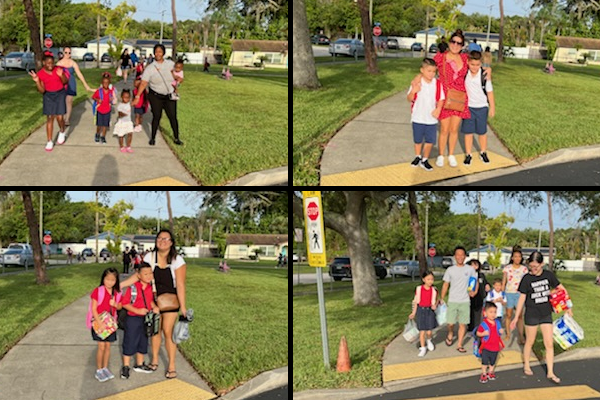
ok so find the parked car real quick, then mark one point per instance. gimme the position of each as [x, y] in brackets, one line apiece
[447, 262]
[320, 39]
[340, 268]
[416, 47]
[433, 48]
[105, 58]
[349, 47]
[405, 267]
[104, 253]
[18, 254]
[393, 44]
[88, 57]
[87, 252]
[19, 60]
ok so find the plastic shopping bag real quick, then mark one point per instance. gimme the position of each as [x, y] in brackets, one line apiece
[181, 331]
[440, 314]
[411, 333]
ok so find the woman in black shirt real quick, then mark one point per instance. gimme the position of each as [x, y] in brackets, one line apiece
[535, 295]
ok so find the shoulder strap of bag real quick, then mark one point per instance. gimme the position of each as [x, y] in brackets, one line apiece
[163, 78]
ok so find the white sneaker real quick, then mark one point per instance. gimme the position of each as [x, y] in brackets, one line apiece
[430, 345]
[452, 161]
[440, 161]
[422, 351]
[61, 138]
[49, 146]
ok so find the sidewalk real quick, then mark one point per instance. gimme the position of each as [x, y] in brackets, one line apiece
[57, 361]
[376, 148]
[82, 162]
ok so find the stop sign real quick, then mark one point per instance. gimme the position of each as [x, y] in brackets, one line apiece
[312, 211]
[48, 42]
[47, 239]
[431, 251]
[377, 31]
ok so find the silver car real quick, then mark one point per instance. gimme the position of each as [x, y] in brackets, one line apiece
[406, 267]
[19, 60]
[17, 255]
[349, 47]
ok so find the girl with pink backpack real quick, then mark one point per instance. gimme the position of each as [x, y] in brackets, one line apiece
[101, 319]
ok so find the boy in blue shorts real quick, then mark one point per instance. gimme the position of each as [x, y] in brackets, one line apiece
[138, 301]
[481, 100]
[427, 99]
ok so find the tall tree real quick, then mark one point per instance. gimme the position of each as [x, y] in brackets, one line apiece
[370, 56]
[34, 232]
[174, 38]
[501, 44]
[34, 32]
[305, 72]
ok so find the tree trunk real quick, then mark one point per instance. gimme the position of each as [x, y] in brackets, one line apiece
[366, 291]
[305, 72]
[174, 30]
[551, 252]
[370, 56]
[34, 233]
[417, 231]
[34, 32]
[500, 44]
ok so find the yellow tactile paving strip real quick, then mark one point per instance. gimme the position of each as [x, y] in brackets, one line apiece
[406, 175]
[554, 393]
[444, 366]
[169, 389]
[164, 181]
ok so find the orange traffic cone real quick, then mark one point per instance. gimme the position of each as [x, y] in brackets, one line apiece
[343, 362]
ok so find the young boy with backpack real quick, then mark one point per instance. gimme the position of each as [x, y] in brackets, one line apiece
[488, 342]
[481, 100]
[427, 97]
[104, 98]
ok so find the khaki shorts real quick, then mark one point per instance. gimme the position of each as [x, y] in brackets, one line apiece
[459, 312]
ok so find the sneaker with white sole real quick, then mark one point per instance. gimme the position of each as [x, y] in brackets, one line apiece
[101, 376]
[452, 161]
[49, 146]
[107, 373]
[430, 345]
[440, 161]
[61, 138]
[143, 368]
[422, 351]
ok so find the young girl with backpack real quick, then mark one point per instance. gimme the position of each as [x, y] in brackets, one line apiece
[105, 298]
[424, 305]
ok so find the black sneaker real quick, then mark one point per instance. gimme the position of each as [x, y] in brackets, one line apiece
[426, 166]
[125, 373]
[97, 139]
[142, 368]
[468, 159]
[484, 157]
[415, 162]
[102, 139]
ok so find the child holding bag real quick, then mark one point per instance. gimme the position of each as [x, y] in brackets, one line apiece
[106, 298]
[424, 305]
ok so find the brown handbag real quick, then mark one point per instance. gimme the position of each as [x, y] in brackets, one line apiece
[455, 99]
[167, 302]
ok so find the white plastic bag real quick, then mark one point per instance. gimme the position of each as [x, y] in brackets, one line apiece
[440, 314]
[411, 333]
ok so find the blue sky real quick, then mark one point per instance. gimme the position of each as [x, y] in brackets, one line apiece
[524, 218]
[185, 9]
[511, 7]
[145, 203]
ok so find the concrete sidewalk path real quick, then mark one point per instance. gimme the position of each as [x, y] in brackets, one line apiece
[57, 361]
[82, 162]
[376, 148]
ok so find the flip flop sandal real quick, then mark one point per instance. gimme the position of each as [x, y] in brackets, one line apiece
[153, 367]
[554, 379]
[461, 350]
[528, 372]
[171, 374]
[449, 342]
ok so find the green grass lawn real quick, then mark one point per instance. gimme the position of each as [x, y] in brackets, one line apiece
[230, 128]
[370, 329]
[535, 113]
[241, 318]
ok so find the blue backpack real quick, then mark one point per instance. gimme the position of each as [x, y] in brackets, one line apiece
[478, 341]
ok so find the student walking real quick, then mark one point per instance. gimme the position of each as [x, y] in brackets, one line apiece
[424, 305]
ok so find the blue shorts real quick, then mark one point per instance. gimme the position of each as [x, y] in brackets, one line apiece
[512, 299]
[102, 119]
[135, 340]
[477, 123]
[421, 131]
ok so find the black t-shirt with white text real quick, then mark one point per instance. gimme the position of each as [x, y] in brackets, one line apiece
[537, 292]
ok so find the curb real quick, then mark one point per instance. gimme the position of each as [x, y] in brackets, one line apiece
[269, 177]
[262, 383]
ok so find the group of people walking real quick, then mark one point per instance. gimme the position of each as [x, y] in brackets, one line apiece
[471, 298]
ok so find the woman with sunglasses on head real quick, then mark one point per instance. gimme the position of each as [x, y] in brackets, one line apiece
[70, 65]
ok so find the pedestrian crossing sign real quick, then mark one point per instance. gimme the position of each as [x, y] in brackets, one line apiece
[315, 231]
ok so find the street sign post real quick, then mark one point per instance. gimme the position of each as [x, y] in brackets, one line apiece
[315, 248]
